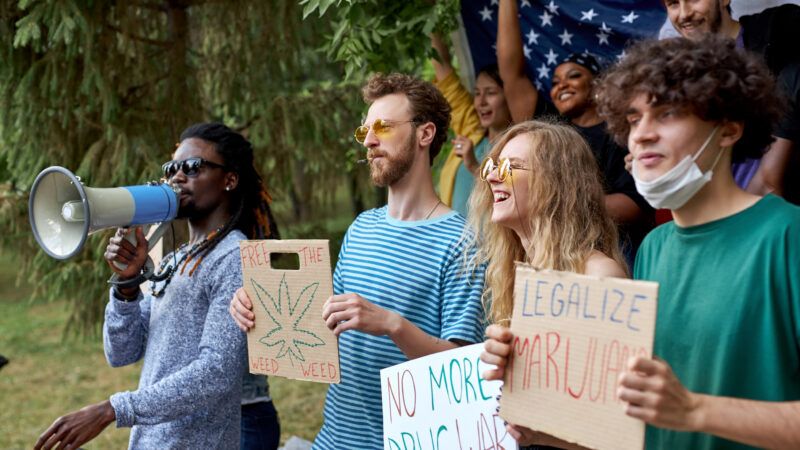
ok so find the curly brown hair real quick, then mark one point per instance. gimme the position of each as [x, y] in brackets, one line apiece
[427, 103]
[710, 78]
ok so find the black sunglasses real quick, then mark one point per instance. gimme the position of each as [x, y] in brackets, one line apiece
[189, 166]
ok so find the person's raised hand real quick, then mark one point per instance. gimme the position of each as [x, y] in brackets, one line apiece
[120, 250]
[241, 310]
[653, 393]
[462, 146]
[77, 428]
[496, 349]
[352, 312]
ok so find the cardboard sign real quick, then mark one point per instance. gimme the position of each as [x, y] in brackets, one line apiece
[290, 338]
[573, 335]
[441, 402]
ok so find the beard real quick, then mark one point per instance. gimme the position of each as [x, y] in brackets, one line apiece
[393, 167]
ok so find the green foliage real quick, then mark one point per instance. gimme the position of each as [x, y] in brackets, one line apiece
[382, 35]
[104, 88]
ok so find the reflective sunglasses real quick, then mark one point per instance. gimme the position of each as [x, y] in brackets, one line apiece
[503, 169]
[189, 166]
[381, 127]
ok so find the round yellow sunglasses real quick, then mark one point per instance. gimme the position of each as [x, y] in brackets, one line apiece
[381, 127]
[503, 169]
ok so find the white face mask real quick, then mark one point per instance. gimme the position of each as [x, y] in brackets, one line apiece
[674, 188]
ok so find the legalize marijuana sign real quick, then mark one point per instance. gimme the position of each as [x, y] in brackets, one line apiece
[286, 315]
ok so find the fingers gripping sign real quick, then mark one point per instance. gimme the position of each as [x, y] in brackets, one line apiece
[241, 310]
[352, 312]
[497, 347]
[653, 393]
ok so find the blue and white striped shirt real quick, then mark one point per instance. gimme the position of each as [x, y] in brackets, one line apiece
[414, 269]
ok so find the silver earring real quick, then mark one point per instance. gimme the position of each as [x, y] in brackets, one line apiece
[227, 188]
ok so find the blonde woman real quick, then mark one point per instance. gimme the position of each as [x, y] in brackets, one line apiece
[542, 202]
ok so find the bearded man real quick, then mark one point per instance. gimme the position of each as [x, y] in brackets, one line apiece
[400, 288]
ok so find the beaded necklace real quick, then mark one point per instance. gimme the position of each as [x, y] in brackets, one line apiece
[166, 270]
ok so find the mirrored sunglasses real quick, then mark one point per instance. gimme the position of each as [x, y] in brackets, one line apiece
[488, 166]
[189, 166]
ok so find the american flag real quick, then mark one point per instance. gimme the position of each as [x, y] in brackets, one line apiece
[551, 30]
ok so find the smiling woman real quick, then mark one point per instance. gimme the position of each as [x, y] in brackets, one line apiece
[542, 203]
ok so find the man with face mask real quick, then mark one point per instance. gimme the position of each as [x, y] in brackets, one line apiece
[773, 34]
[728, 324]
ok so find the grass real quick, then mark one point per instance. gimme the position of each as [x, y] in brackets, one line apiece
[50, 375]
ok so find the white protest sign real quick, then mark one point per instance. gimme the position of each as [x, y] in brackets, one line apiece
[441, 402]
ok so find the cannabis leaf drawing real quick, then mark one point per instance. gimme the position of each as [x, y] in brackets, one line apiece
[286, 315]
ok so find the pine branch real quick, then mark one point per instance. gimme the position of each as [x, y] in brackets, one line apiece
[138, 38]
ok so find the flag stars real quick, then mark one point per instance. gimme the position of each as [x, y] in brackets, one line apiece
[551, 57]
[566, 37]
[602, 38]
[494, 2]
[527, 51]
[533, 37]
[546, 19]
[544, 72]
[605, 28]
[622, 55]
[526, 3]
[630, 17]
[552, 8]
[588, 15]
[486, 14]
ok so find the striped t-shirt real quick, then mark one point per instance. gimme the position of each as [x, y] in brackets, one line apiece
[414, 269]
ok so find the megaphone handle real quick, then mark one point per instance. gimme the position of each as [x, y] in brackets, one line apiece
[152, 240]
[131, 237]
[149, 267]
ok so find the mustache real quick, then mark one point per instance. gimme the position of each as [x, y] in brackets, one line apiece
[371, 154]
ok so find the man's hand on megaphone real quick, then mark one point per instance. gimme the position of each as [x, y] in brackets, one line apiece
[120, 250]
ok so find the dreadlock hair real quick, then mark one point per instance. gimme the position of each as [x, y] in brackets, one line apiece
[252, 215]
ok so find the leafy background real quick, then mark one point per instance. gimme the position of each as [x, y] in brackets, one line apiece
[105, 87]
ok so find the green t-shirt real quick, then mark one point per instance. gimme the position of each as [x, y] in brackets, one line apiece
[465, 180]
[728, 309]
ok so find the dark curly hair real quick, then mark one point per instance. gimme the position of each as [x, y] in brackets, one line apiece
[710, 78]
[427, 103]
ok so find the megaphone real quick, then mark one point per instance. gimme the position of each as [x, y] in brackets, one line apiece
[63, 212]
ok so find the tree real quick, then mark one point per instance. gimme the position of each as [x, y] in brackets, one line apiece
[384, 35]
[104, 88]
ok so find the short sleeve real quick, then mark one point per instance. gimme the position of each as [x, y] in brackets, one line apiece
[462, 288]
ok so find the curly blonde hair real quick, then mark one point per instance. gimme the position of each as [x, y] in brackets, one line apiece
[567, 222]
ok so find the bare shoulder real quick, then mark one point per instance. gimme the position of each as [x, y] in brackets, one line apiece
[600, 265]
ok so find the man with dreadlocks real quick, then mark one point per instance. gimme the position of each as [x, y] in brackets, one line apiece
[194, 355]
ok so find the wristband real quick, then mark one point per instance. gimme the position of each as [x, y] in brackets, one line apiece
[122, 297]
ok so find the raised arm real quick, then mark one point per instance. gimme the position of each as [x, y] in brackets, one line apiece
[521, 94]
[442, 67]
